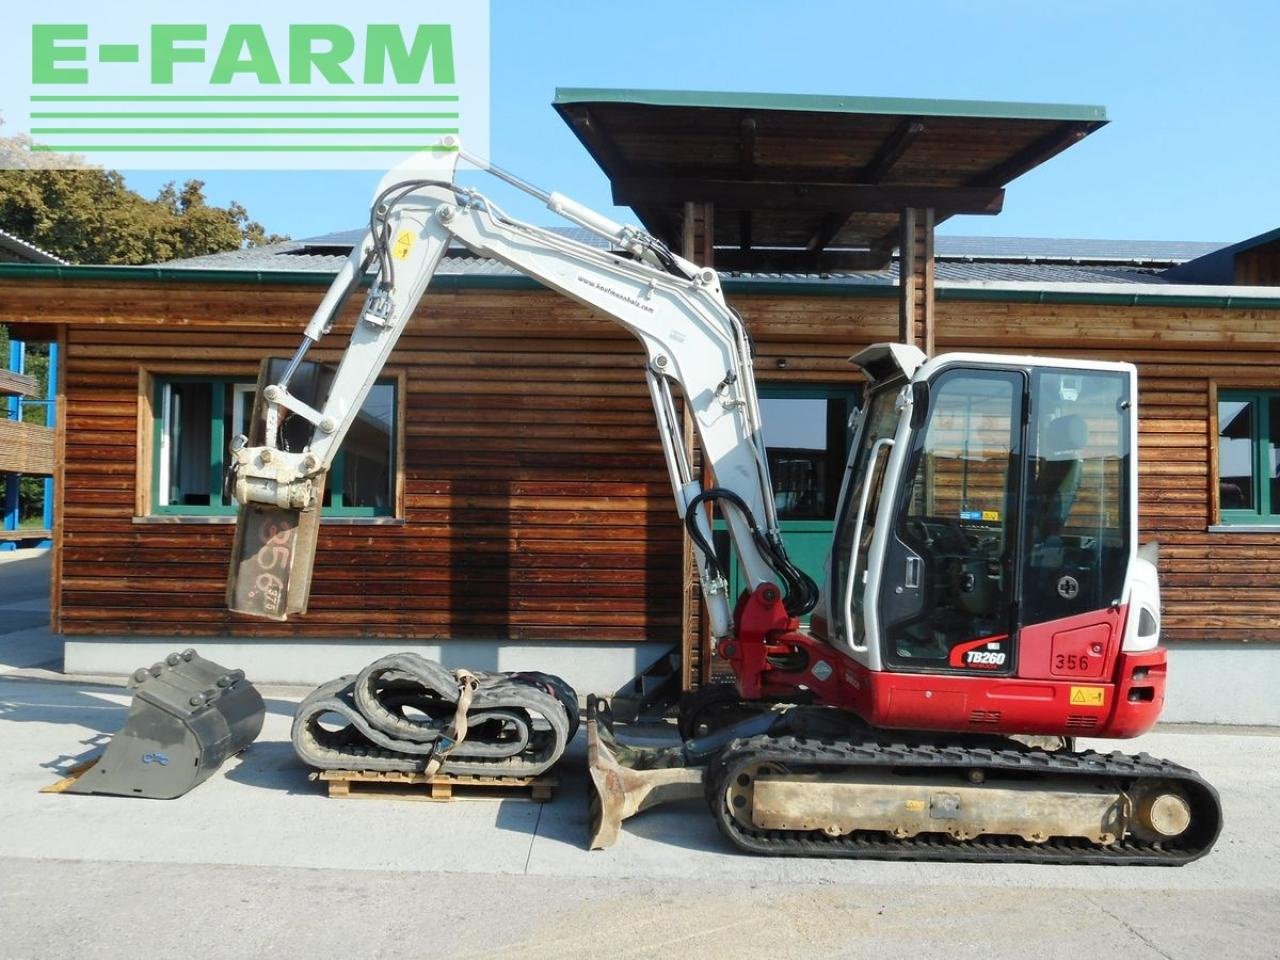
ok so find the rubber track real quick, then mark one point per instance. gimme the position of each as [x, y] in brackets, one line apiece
[799, 755]
[520, 723]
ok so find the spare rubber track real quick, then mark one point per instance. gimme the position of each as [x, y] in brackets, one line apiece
[519, 723]
[799, 755]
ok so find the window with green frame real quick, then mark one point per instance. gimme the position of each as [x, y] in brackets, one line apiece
[196, 417]
[806, 436]
[1249, 456]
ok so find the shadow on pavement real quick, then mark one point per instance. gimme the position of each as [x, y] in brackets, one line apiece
[271, 765]
[54, 702]
[64, 763]
[24, 578]
[37, 700]
[564, 817]
[12, 621]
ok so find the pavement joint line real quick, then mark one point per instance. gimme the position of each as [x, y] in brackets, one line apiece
[533, 838]
[8, 701]
[948, 881]
[1129, 927]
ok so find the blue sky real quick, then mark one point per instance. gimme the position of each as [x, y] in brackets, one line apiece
[1192, 91]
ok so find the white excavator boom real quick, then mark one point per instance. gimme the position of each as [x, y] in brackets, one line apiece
[693, 343]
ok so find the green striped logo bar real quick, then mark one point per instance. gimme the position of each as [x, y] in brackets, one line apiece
[243, 85]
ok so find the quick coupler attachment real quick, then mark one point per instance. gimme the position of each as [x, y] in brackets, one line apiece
[188, 715]
[626, 779]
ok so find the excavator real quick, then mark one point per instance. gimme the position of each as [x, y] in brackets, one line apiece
[986, 600]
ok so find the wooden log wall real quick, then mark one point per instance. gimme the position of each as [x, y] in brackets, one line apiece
[1261, 265]
[1215, 585]
[537, 503]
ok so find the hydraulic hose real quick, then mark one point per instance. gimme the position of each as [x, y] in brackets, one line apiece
[801, 593]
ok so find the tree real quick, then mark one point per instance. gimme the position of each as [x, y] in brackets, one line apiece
[88, 215]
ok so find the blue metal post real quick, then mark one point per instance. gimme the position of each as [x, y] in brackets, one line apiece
[17, 361]
[50, 421]
[17, 354]
[10, 508]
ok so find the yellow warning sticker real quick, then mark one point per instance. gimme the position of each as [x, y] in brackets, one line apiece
[915, 806]
[991, 515]
[1088, 696]
[404, 243]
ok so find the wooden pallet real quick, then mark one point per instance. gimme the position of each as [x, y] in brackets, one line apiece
[398, 785]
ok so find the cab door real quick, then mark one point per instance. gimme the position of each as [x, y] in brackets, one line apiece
[947, 588]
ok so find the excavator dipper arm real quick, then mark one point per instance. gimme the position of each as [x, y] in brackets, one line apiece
[692, 342]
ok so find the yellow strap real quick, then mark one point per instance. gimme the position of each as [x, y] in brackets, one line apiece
[457, 729]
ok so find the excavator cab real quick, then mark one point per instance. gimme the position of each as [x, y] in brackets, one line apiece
[987, 535]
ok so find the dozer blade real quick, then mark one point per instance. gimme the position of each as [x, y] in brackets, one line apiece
[626, 779]
[188, 715]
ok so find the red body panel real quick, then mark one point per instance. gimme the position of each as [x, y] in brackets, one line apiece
[1110, 694]
[1083, 646]
[1140, 679]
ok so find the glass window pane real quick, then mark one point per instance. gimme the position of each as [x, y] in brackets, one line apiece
[806, 439]
[956, 530]
[185, 444]
[364, 469]
[1078, 534]
[1273, 453]
[369, 449]
[1235, 454]
[237, 408]
[880, 420]
[962, 474]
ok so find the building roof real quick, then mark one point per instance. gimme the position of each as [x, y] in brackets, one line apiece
[825, 103]
[959, 259]
[327, 252]
[14, 248]
[811, 183]
[995, 269]
[1219, 265]
[1154, 252]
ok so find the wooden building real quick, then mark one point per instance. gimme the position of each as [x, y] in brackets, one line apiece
[504, 502]
[26, 448]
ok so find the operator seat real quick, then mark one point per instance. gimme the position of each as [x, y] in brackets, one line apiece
[1058, 473]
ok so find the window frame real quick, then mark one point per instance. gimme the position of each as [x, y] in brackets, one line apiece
[1259, 515]
[147, 506]
[853, 393]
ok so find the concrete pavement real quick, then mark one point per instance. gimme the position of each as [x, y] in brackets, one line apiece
[257, 862]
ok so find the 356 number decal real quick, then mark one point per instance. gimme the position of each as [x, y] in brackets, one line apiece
[1070, 663]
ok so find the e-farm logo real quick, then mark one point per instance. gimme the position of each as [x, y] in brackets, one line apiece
[143, 88]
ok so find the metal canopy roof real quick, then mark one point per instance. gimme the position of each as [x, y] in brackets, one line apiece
[811, 182]
[18, 249]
